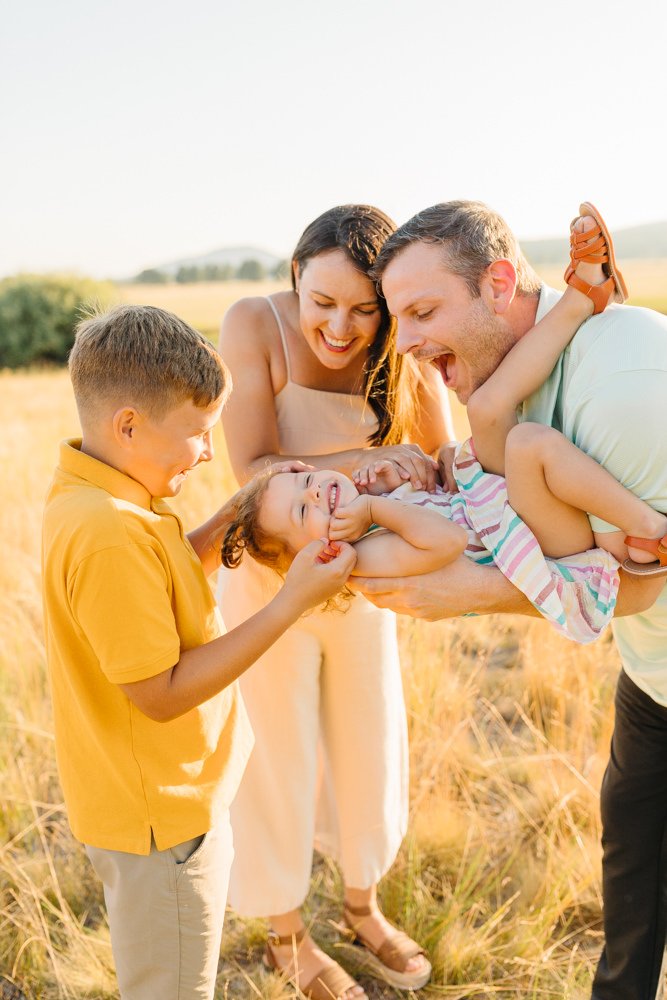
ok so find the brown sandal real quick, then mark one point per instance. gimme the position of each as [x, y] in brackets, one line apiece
[387, 962]
[328, 984]
[595, 246]
[658, 546]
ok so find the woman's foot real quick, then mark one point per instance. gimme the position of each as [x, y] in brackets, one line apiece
[403, 962]
[592, 269]
[304, 964]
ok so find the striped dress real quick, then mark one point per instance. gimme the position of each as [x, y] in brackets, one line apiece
[576, 594]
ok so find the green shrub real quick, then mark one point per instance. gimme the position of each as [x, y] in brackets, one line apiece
[38, 314]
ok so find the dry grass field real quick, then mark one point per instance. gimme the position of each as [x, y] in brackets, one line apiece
[499, 875]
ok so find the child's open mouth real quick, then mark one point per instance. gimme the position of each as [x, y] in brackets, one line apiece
[333, 497]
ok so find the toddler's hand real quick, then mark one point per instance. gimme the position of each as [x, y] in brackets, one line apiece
[378, 477]
[445, 465]
[352, 521]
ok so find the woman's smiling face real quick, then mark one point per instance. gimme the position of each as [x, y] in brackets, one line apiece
[297, 506]
[339, 311]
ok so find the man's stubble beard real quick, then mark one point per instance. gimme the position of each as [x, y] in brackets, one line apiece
[489, 339]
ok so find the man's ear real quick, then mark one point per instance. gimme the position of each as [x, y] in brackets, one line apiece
[498, 285]
[125, 422]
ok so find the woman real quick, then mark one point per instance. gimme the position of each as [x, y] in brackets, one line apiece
[316, 378]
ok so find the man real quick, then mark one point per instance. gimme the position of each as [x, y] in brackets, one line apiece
[463, 294]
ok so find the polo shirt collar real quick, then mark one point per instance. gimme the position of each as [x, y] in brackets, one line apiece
[76, 463]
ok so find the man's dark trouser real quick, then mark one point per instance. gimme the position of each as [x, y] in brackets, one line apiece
[634, 839]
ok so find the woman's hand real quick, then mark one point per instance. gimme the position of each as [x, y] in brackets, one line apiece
[352, 521]
[409, 461]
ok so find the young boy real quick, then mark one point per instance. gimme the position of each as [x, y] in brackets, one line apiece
[151, 734]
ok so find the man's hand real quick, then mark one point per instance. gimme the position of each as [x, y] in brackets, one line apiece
[457, 589]
[349, 523]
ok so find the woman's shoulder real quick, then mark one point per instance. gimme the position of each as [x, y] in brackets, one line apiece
[254, 316]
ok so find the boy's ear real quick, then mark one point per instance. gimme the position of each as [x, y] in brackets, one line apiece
[125, 422]
[498, 285]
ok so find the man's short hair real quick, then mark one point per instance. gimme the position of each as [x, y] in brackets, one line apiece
[145, 357]
[472, 236]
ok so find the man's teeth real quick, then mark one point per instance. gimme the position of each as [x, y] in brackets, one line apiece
[334, 343]
[332, 498]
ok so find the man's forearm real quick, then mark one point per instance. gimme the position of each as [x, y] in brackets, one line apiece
[637, 594]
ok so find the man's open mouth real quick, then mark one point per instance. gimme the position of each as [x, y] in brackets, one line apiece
[446, 365]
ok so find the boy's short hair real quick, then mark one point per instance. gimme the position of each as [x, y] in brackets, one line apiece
[146, 357]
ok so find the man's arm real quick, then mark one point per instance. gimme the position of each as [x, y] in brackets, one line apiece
[465, 587]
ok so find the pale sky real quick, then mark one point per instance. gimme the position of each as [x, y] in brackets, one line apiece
[135, 132]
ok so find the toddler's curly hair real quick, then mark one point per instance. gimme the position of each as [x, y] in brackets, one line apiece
[243, 533]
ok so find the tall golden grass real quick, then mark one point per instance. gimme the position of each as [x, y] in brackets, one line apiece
[509, 729]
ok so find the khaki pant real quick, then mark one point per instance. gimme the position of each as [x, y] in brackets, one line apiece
[166, 911]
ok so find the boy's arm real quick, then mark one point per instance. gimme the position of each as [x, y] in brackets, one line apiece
[417, 540]
[204, 671]
[202, 538]
[493, 406]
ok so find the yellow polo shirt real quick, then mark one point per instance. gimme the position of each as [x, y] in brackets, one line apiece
[124, 594]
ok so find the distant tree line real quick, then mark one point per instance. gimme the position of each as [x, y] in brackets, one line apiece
[38, 315]
[248, 270]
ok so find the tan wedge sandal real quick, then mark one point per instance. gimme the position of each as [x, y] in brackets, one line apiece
[329, 984]
[387, 962]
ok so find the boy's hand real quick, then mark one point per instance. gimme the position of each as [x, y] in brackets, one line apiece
[378, 477]
[293, 465]
[319, 571]
[352, 521]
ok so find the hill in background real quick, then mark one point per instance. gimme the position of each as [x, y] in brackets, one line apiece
[223, 264]
[231, 256]
[647, 242]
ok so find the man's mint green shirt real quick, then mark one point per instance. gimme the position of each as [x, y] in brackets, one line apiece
[608, 394]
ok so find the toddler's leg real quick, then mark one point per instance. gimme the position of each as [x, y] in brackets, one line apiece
[551, 483]
[492, 407]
